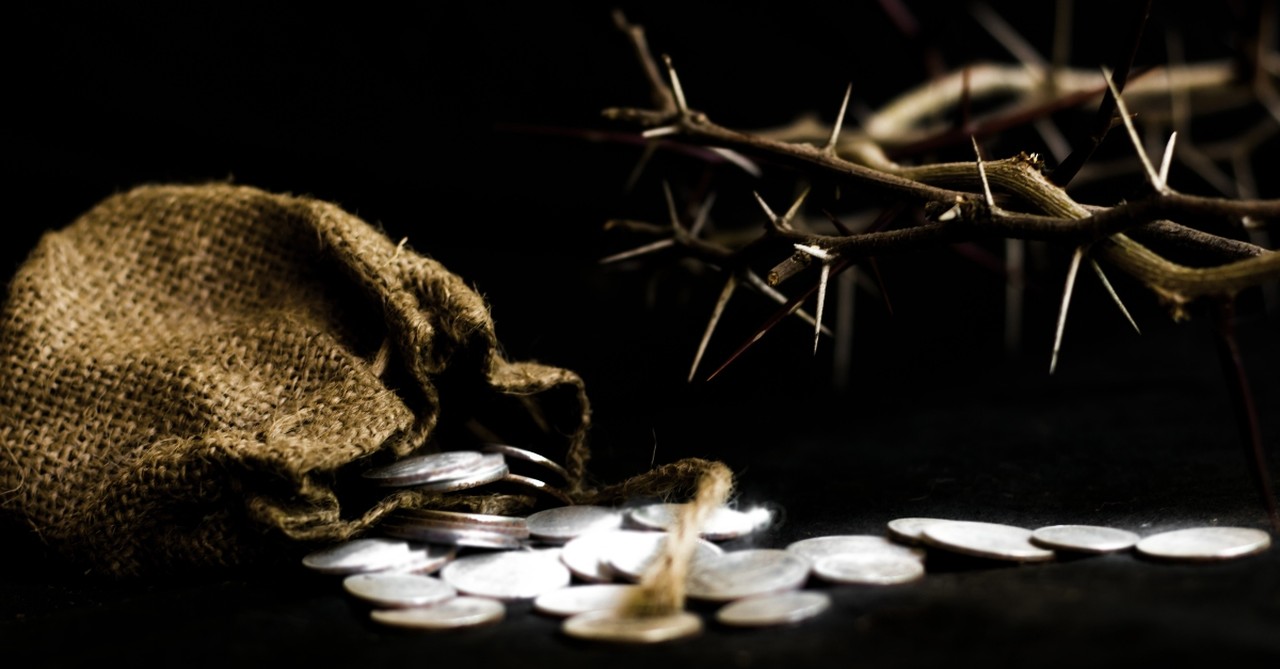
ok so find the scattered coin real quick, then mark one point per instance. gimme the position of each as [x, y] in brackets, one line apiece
[869, 568]
[450, 614]
[816, 548]
[614, 627]
[394, 590]
[630, 552]
[359, 555]
[722, 524]
[516, 453]
[1084, 538]
[562, 523]
[1205, 544]
[417, 469]
[577, 599]
[909, 530]
[753, 571]
[986, 540]
[508, 575]
[781, 608]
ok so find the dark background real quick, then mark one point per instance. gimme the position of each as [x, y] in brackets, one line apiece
[477, 134]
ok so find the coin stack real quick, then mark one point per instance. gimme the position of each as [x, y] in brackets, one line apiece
[471, 470]
[437, 570]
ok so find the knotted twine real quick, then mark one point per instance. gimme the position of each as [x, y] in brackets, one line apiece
[663, 584]
[193, 374]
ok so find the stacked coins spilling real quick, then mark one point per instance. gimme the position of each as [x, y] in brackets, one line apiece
[438, 570]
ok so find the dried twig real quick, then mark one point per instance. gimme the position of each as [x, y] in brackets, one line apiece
[1043, 210]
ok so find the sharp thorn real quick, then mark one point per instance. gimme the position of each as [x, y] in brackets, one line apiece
[649, 149]
[743, 162]
[795, 207]
[1115, 297]
[765, 206]
[815, 251]
[1165, 160]
[660, 132]
[676, 88]
[822, 298]
[671, 205]
[638, 251]
[835, 130]
[725, 293]
[704, 212]
[982, 173]
[1152, 177]
[1066, 303]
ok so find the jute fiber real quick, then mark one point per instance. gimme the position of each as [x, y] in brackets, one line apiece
[190, 374]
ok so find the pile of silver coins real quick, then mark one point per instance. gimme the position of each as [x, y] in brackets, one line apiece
[440, 570]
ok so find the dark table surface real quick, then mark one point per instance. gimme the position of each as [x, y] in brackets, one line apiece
[1146, 452]
[465, 131]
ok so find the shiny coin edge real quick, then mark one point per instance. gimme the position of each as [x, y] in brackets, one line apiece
[613, 627]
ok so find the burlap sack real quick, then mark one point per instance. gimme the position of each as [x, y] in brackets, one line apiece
[191, 371]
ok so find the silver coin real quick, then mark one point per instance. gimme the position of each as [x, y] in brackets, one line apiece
[426, 559]
[450, 614]
[816, 548]
[449, 536]
[745, 573]
[528, 456]
[909, 530]
[1205, 544]
[538, 486]
[1084, 538]
[779, 608]
[577, 599]
[393, 590]
[509, 524]
[629, 553]
[507, 575]
[562, 523]
[723, 523]
[987, 540]
[425, 468]
[359, 555]
[614, 627]
[869, 568]
[457, 520]
[491, 468]
[584, 556]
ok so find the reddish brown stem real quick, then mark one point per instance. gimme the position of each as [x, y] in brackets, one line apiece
[1107, 109]
[1245, 409]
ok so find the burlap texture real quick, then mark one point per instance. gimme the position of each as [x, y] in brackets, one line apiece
[190, 370]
